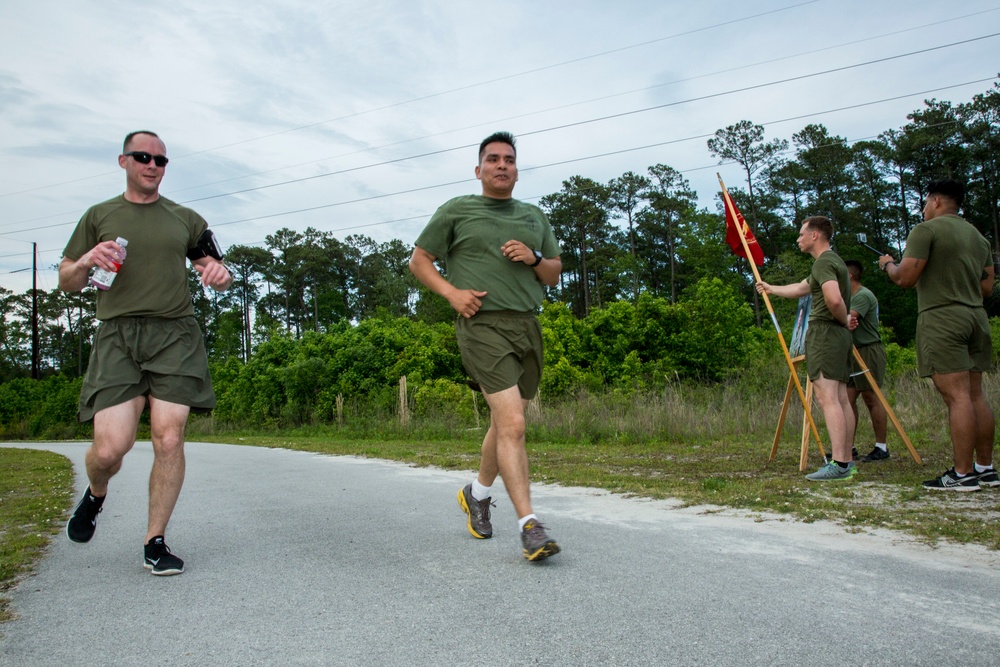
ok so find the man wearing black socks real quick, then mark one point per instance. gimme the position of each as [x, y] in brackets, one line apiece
[868, 341]
[148, 347]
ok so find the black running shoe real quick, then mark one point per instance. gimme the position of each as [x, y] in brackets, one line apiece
[83, 523]
[479, 513]
[950, 481]
[159, 559]
[536, 543]
[876, 454]
[988, 477]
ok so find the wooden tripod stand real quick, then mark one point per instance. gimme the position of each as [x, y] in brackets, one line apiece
[804, 453]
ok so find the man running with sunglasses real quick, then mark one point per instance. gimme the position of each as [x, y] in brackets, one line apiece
[148, 348]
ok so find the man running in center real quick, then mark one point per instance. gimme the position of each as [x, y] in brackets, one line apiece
[499, 254]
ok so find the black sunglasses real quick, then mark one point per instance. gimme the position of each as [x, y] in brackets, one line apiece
[144, 158]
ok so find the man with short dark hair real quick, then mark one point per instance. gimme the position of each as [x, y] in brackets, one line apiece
[828, 341]
[148, 347]
[499, 254]
[868, 341]
[951, 265]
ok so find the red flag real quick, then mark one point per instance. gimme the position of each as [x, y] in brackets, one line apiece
[733, 234]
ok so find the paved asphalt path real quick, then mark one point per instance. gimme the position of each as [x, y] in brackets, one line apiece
[301, 559]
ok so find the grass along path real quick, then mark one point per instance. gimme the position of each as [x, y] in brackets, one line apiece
[36, 489]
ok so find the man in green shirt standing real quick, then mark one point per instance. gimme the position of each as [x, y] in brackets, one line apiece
[148, 347]
[868, 341]
[951, 265]
[498, 253]
[828, 341]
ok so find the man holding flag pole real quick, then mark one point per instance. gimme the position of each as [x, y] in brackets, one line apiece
[828, 340]
[743, 243]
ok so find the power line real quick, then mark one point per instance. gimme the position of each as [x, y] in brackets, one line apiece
[587, 101]
[470, 86]
[537, 112]
[606, 154]
[570, 161]
[598, 119]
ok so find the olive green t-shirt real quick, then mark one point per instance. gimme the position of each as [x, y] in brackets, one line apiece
[956, 254]
[864, 303]
[467, 233]
[828, 266]
[153, 280]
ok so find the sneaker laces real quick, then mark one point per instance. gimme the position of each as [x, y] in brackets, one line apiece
[484, 507]
[536, 529]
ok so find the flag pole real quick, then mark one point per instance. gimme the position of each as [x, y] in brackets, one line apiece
[784, 347]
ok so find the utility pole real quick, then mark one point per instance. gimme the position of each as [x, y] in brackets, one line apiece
[34, 311]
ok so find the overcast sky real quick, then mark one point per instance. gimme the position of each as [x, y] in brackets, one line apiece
[361, 117]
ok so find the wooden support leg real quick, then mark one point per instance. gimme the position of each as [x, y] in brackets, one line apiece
[885, 404]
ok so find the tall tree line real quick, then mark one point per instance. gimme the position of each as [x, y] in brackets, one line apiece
[641, 233]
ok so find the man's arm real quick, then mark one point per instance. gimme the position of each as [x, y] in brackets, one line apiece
[986, 282]
[465, 302]
[792, 291]
[906, 273]
[74, 273]
[548, 269]
[835, 302]
[213, 272]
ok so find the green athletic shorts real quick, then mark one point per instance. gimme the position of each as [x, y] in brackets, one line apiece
[828, 350]
[147, 356]
[875, 360]
[952, 339]
[500, 349]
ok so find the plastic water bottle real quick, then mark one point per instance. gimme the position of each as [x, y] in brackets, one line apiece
[102, 278]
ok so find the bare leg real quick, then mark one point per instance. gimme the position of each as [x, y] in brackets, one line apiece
[114, 435]
[168, 422]
[832, 397]
[878, 415]
[488, 466]
[985, 422]
[852, 397]
[507, 422]
[956, 390]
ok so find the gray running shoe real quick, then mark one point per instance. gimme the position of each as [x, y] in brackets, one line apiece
[832, 472]
[479, 513]
[988, 477]
[536, 543]
[950, 481]
[876, 454]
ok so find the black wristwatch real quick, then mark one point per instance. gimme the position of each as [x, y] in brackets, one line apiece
[538, 257]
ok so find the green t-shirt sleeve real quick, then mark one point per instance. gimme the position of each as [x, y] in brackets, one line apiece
[82, 239]
[824, 271]
[436, 237]
[918, 243]
[861, 304]
[550, 246]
